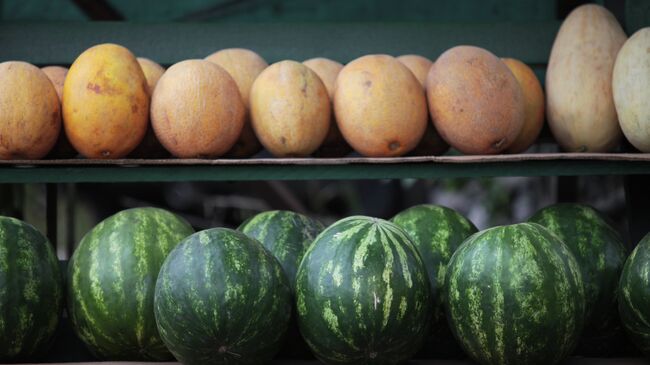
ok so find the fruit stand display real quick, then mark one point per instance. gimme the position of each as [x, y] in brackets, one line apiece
[318, 290]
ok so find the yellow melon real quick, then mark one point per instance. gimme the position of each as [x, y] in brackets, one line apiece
[196, 110]
[244, 66]
[290, 109]
[105, 102]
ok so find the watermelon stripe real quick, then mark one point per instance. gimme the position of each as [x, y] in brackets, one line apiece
[514, 295]
[364, 316]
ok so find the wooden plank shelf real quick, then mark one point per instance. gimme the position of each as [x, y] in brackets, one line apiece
[352, 168]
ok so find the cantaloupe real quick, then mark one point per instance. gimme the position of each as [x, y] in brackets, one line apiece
[62, 148]
[380, 106]
[196, 110]
[57, 75]
[150, 146]
[244, 66]
[105, 102]
[290, 109]
[431, 143]
[475, 101]
[152, 72]
[30, 113]
[328, 70]
[533, 105]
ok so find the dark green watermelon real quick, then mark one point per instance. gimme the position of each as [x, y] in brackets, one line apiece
[634, 296]
[286, 234]
[363, 295]
[111, 282]
[437, 232]
[600, 253]
[514, 295]
[221, 298]
[31, 291]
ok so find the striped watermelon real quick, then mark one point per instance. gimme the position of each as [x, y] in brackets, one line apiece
[221, 298]
[287, 235]
[437, 232]
[363, 294]
[600, 253]
[31, 291]
[634, 296]
[515, 296]
[111, 282]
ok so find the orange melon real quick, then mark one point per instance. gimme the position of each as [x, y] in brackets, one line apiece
[290, 109]
[328, 70]
[62, 148]
[533, 105]
[475, 102]
[431, 142]
[105, 102]
[380, 106]
[30, 114]
[150, 147]
[196, 110]
[244, 66]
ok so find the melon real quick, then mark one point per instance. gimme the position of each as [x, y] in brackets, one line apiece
[221, 298]
[30, 113]
[244, 66]
[631, 77]
[380, 106]
[580, 106]
[475, 102]
[362, 294]
[150, 147]
[105, 102]
[290, 109]
[196, 110]
[431, 142]
[62, 148]
[328, 70]
[111, 282]
[514, 295]
[533, 105]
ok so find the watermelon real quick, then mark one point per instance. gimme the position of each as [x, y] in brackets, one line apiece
[31, 291]
[362, 294]
[634, 296]
[600, 253]
[514, 295]
[437, 232]
[286, 234]
[111, 281]
[221, 298]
